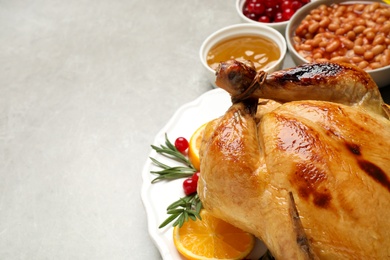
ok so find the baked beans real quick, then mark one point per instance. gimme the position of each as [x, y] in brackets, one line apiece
[357, 33]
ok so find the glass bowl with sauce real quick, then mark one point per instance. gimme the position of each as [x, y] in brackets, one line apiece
[265, 47]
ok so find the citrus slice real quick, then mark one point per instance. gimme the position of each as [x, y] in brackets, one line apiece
[212, 238]
[194, 145]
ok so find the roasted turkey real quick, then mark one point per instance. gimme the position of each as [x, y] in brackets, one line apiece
[302, 161]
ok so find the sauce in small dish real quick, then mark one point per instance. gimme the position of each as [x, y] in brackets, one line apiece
[260, 50]
[261, 44]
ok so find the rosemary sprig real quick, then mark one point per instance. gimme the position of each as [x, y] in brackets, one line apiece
[187, 207]
[170, 150]
[169, 172]
[182, 210]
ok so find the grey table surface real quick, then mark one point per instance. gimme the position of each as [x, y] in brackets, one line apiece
[85, 87]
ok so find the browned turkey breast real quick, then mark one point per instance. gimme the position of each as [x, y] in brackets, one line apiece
[302, 160]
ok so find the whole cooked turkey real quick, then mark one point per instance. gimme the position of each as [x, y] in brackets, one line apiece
[301, 160]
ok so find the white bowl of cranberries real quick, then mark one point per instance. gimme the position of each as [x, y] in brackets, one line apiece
[273, 13]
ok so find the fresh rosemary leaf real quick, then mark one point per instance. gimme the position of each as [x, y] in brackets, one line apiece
[181, 202]
[168, 143]
[198, 207]
[171, 151]
[168, 220]
[159, 164]
[180, 221]
[185, 208]
[192, 212]
[171, 172]
[171, 176]
[168, 151]
[174, 211]
[178, 170]
[182, 210]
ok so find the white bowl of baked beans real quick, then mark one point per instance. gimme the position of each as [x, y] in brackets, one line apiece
[355, 32]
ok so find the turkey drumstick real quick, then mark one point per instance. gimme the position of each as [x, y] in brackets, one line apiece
[339, 83]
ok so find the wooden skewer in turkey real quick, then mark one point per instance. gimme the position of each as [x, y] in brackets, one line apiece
[302, 161]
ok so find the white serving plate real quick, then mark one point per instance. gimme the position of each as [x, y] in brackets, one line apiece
[156, 197]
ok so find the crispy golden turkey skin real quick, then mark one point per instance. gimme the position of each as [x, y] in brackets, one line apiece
[302, 160]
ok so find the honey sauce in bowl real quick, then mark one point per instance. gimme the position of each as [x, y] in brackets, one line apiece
[264, 46]
[262, 51]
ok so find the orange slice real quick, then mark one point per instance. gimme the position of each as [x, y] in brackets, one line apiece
[194, 145]
[212, 238]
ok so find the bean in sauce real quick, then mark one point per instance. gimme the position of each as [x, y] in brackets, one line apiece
[357, 33]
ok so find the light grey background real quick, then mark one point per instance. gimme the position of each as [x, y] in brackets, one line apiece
[85, 87]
